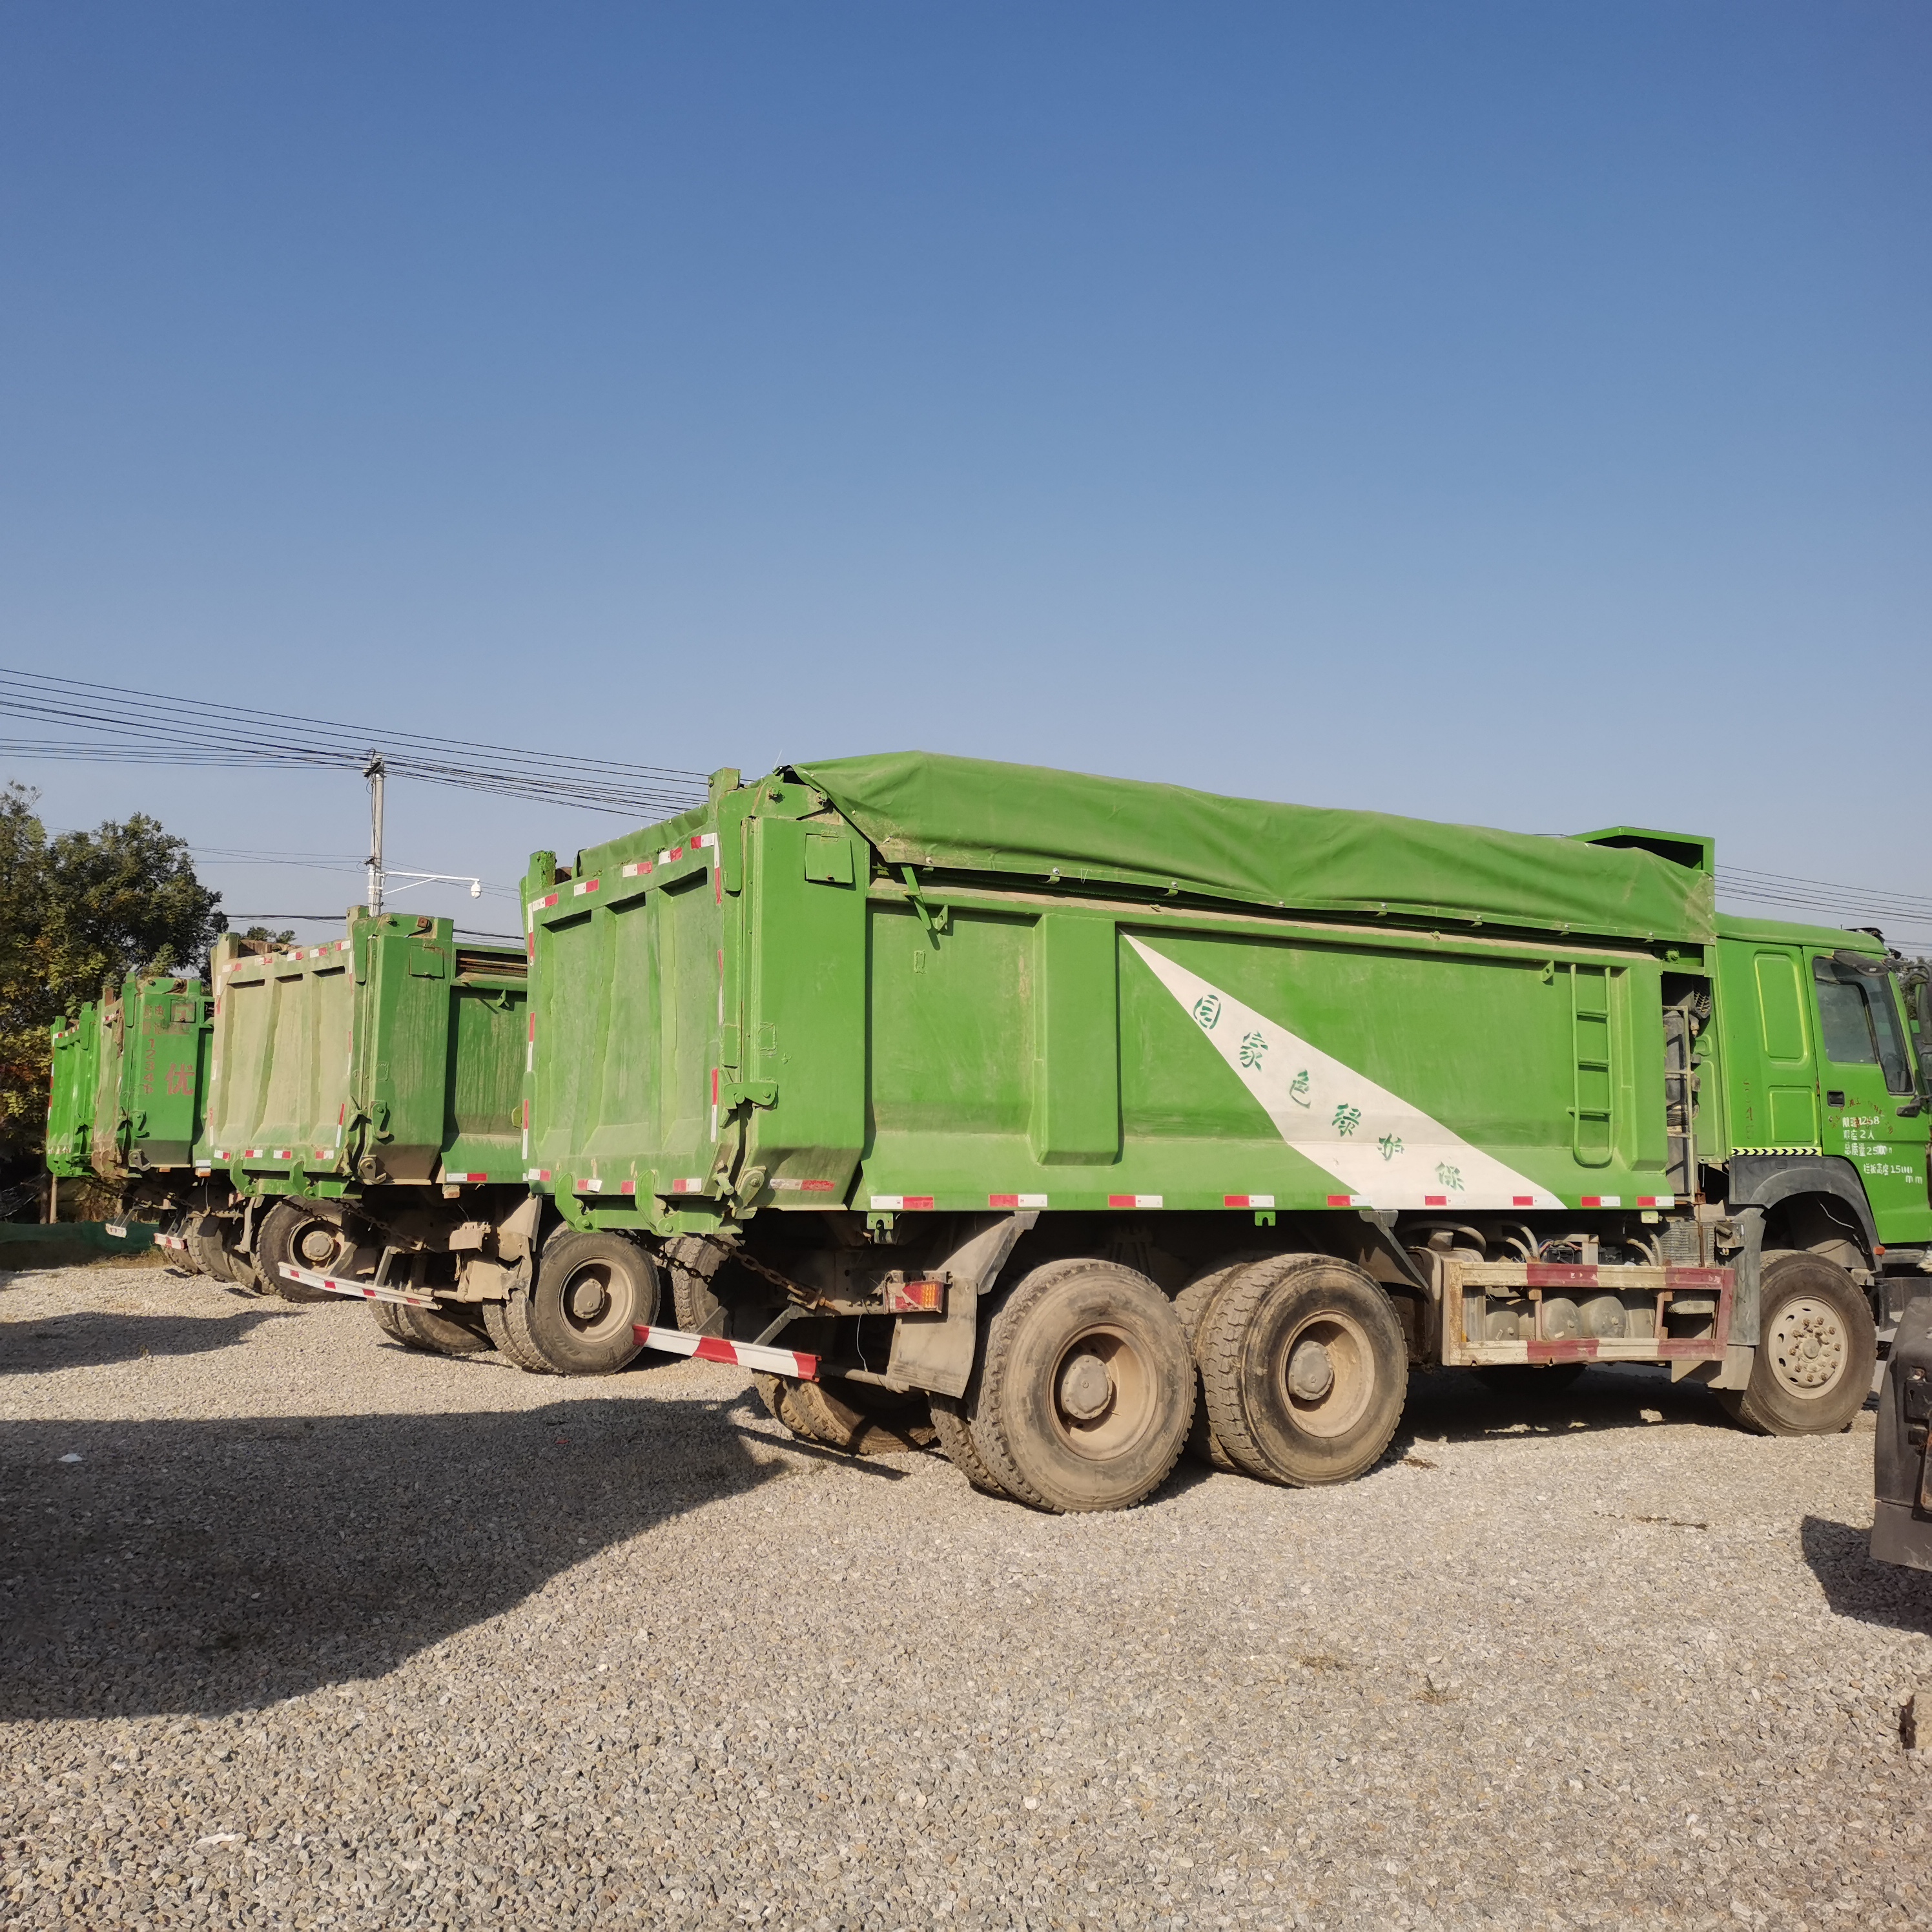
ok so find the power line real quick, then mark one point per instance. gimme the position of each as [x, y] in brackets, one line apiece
[118, 725]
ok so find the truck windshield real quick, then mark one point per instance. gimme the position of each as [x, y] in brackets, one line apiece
[1860, 1023]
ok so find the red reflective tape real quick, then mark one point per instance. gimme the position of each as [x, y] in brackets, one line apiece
[526, 1117]
[627, 1187]
[714, 1086]
[1003, 1201]
[1694, 1277]
[816, 1187]
[1582, 1349]
[1522, 1200]
[1561, 1274]
[1119, 1201]
[917, 1200]
[533, 1026]
[1428, 1201]
[715, 1348]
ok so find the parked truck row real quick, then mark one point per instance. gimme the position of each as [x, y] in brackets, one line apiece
[1072, 1117]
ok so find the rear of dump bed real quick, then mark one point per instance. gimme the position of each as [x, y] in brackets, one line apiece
[391, 1057]
[153, 1066]
[70, 1096]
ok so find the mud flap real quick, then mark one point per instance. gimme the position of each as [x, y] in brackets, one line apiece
[935, 1352]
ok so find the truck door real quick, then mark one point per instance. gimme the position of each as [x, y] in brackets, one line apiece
[1873, 1114]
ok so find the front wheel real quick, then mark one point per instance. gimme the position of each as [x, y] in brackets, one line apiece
[1816, 1353]
[592, 1289]
[1085, 1389]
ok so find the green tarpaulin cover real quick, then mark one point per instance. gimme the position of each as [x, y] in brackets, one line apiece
[923, 809]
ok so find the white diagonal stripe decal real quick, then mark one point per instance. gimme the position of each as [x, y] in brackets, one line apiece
[1385, 1152]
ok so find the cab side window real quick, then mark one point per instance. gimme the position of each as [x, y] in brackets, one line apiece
[1860, 1024]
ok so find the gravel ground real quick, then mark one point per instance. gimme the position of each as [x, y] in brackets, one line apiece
[304, 1630]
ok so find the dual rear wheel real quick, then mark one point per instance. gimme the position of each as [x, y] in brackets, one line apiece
[1290, 1368]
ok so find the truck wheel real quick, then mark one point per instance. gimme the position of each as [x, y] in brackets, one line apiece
[1192, 1305]
[1304, 1368]
[1085, 1390]
[203, 1235]
[592, 1290]
[293, 1231]
[506, 1324]
[955, 1438]
[386, 1314]
[441, 1331]
[860, 1419]
[1818, 1349]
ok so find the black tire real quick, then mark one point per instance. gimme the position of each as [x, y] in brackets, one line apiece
[1192, 1305]
[860, 1418]
[506, 1324]
[592, 1290]
[691, 1263]
[294, 1231]
[202, 1233]
[443, 1331]
[384, 1314]
[1530, 1378]
[954, 1434]
[1816, 1355]
[1085, 1390]
[1305, 1369]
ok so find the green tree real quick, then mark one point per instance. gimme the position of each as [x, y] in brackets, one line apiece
[81, 910]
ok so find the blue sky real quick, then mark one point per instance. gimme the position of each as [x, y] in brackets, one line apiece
[1515, 414]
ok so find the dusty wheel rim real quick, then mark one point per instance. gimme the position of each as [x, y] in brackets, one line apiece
[1809, 1347]
[317, 1246]
[589, 1303]
[1327, 1373]
[1103, 1394]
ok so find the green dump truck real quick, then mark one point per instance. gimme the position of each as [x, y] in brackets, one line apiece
[124, 1103]
[365, 1115]
[1086, 1114]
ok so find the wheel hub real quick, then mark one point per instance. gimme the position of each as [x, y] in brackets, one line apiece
[1311, 1373]
[316, 1243]
[1086, 1388]
[586, 1298]
[1807, 1346]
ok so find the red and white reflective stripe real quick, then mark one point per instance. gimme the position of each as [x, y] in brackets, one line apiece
[170, 1241]
[536, 906]
[344, 945]
[639, 868]
[1011, 1200]
[1362, 1201]
[1247, 1201]
[1133, 1201]
[688, 1187]
[739, 1354]
[587, 1183]
[583, 885]
[1602, 1201]
[364, 1291]
[283, 1153]
[114, 1229]
[893, 1204]
[1656, 1201]
[221, 1153]
[460, 1179]
[785, 1184]
[536, 1174]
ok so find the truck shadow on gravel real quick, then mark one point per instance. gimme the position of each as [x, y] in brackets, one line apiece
[1839, 1556]
[1456, 1405]
[213, 1567]
[96, 1337]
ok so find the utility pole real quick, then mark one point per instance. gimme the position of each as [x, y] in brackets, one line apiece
[373, 772]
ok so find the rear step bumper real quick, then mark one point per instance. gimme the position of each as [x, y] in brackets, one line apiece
[363, 1290]
[740, 1355]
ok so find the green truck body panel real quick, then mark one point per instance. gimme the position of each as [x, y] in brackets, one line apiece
[153, 1059]
[905, 983]
[71, 1093]
[395, 1054]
